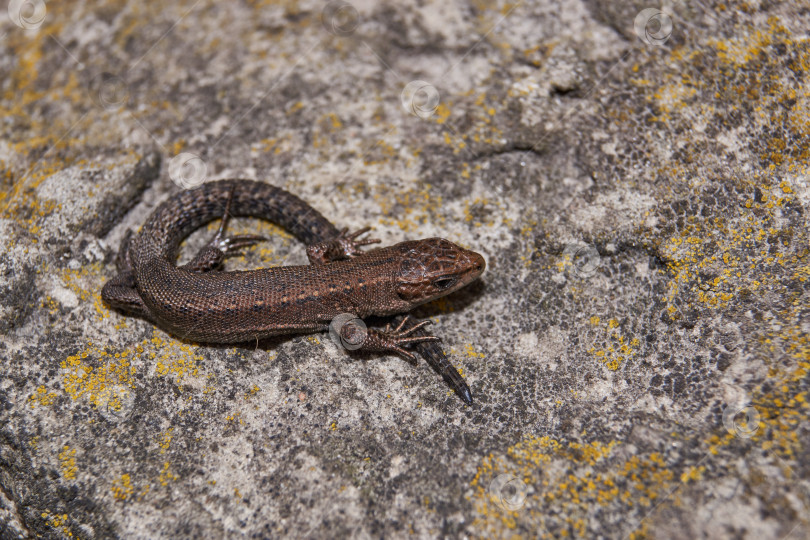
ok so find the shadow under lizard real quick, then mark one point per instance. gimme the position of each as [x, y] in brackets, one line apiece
[200, 302]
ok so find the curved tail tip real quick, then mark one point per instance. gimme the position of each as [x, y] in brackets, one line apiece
[465, 394]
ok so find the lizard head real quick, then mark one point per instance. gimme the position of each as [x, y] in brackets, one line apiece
[434, 267]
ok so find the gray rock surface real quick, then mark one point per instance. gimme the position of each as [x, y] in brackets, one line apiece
[638, 348]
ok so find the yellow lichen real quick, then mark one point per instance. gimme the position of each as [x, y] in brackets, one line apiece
[67, 462]
[42, 397]
[122, 488]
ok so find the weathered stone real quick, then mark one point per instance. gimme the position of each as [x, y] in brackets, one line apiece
[637, 349]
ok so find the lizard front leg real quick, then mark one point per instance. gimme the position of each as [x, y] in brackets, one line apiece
[343, 246]
[354, 335]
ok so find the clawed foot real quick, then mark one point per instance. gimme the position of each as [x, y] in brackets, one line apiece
[230, 245]
[220, 247]
[350, 246]
[344, 246]
[393, 340]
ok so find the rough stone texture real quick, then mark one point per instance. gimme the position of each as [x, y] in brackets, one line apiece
[638, 348]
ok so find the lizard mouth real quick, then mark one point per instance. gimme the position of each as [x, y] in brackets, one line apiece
[478, 264]
[471, 266]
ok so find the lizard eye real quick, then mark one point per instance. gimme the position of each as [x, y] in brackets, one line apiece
[444, 283]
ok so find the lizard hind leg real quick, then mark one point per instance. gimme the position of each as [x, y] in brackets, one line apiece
[211, 256]
[120, 293]
[124, 259]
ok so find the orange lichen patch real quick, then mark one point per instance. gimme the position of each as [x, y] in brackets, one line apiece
[58, 522]
[43, 142]
[6, 181]
[755, 66]
[122, 488]
[27, 49]
[18, 198]
[22, 201]
[97, 376]
[482, 129]
[106, 379]
[672, 97]
[144, 491]
[236, 418]
[276, 145]
[299, 18]
[42, 397]
[178, 146]
[782, 405]
[332, 122]
[620, 348]
[736, 261]
[174, 358]
[166, 475]
[377, 151]
[252, 392]
[67, 463]
[492, 209]
[779, 96]
[26, 89]
[327, 132]
[740, 50]
[295, 107]
[527, 237]
[489, 14]
[84, 282]
[551, 487]
[694, 473]
[165, 440]
[566, 262]
[442, 113]
[50, 304]
[417, 207]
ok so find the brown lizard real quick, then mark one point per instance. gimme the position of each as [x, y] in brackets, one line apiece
[199, 302]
